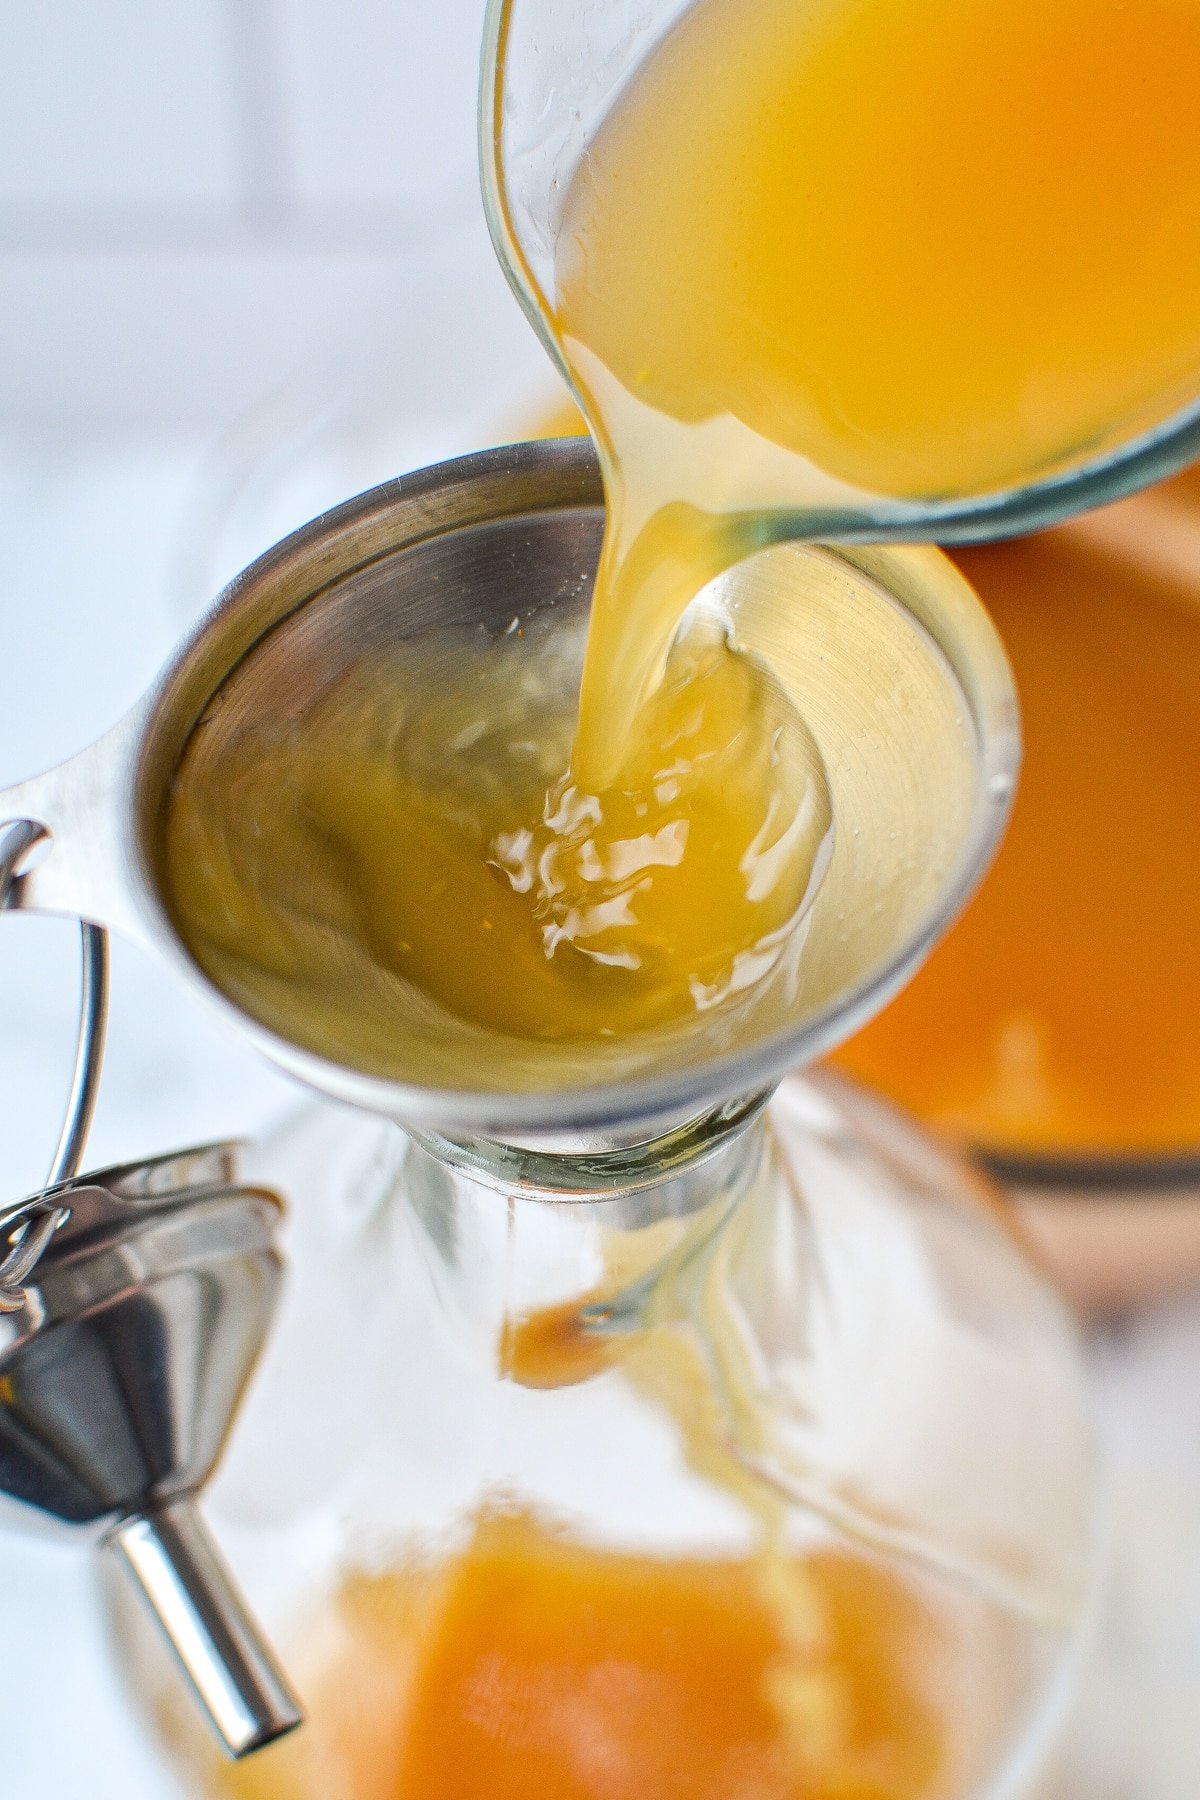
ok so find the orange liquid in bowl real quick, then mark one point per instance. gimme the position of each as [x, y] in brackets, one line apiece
[1062, 1013]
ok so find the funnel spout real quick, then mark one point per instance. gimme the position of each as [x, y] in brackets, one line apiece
[183, 1578]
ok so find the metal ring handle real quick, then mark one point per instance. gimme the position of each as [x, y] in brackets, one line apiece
[30, 1227]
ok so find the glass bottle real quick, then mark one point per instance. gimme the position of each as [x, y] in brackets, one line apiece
[754, 1462]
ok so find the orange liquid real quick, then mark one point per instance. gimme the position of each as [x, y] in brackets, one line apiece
[558, 1346]
[1063, 1010]
[535, 1667]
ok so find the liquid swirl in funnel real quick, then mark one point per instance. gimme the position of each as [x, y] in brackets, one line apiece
[438, 827]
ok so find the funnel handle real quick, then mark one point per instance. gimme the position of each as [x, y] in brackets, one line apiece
[184, 1579]
[85, 808]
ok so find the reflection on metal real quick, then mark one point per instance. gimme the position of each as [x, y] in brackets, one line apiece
[184, 1580]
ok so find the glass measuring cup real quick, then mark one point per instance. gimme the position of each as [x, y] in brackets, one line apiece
[551, 73]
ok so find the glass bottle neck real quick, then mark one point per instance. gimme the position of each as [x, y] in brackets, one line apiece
[551, 1264]
[666, 1173]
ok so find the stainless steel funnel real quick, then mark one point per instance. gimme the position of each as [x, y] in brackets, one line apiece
[512, 536]
[122, 1362]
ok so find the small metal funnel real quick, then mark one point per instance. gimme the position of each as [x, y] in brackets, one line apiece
[120, 1372]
